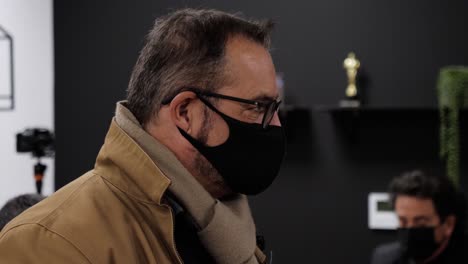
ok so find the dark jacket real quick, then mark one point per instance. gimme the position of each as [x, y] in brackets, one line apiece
[391, 253]
[188, 243]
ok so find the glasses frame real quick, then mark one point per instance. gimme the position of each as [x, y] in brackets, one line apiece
[270, 107]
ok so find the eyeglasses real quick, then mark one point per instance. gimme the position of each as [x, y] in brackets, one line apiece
[269, 108]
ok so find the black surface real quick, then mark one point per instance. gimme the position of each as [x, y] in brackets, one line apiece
[316, 212]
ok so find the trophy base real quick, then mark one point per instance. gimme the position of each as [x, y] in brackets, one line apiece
[350, 103]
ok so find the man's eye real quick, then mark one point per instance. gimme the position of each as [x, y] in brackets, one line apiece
[257, 109]
[253, 112]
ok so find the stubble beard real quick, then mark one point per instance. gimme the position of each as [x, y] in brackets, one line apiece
[202, 166]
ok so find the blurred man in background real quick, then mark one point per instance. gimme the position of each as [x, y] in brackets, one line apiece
[432, 217]
[16, 206]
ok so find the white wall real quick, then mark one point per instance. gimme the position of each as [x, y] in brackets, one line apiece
[30, 22]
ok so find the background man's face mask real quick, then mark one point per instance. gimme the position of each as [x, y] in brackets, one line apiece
[418, 243]
[250, 158]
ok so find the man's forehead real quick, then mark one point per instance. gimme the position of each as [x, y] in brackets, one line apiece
[251, 69]
[255, 93]
[414, 205]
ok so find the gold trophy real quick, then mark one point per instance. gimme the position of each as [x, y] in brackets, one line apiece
[351, 64]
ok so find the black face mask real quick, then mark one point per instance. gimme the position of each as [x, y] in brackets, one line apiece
[250, 158]
[418, 243]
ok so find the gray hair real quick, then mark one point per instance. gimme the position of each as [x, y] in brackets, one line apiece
[186, 49]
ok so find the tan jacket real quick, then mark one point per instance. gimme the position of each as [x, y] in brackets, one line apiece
[112, 214]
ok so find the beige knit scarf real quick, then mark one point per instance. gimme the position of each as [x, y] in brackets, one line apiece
[227, 229]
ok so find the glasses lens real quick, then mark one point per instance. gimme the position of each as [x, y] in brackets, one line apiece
[269, 113]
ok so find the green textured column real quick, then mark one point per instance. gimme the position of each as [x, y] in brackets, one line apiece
[452, 90]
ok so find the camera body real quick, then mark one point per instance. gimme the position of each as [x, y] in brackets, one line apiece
[36, 140]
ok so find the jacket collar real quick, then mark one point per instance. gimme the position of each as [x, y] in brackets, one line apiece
[123, 163]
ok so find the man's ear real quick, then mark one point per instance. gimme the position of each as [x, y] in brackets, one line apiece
[449, 224]
[182, 111]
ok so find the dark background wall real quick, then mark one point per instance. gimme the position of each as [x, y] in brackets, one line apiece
[316, 212]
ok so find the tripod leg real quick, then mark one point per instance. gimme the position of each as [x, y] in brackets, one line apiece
[39, 170]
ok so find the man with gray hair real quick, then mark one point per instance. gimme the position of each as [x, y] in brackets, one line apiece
[199, 131]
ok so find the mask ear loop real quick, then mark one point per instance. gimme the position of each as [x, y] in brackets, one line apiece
[207, 103]
[211, 106]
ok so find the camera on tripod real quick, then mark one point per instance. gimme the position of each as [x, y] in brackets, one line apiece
[37, 140]
[40, 142]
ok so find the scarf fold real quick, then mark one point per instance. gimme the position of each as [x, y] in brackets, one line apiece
[226, 227]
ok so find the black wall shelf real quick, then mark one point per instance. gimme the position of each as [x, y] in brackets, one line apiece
[338, 109]
[352, 122]
[380, 111]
